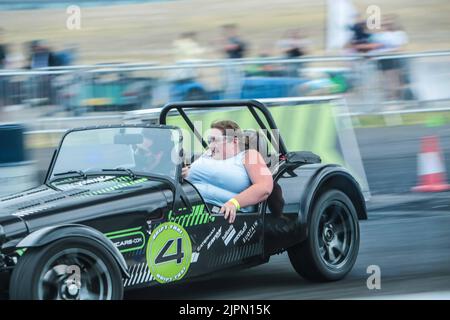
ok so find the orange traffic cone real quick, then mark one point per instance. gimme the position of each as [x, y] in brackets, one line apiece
[431, 169]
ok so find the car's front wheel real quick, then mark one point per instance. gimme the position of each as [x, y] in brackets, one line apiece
[68, 269]
[332, 245]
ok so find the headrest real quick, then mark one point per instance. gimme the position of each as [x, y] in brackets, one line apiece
[256, 140]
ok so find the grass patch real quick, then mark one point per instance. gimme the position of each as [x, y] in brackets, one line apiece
[429, 119]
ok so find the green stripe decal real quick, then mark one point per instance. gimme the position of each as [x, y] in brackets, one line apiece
[127, 242]
[122, 231]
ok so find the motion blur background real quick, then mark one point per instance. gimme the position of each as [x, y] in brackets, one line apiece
[104, 62]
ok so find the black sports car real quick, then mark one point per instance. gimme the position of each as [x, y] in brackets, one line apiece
[113, 215]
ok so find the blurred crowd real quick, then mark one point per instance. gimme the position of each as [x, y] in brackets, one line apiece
[389, 37]
[39, 54]
[34, 54]
[232, 45]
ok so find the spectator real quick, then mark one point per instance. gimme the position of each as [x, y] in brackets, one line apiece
[361, 41]
[2, 65]
[234, 47]
[293, 45]
[186, 47]
[2, 50]
[67, 56]
[41, 56]
[14, 58]
[186, 50]
[360, 33]
[391, 39]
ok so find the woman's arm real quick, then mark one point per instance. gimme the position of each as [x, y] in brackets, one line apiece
[261, 188]
[261, 177]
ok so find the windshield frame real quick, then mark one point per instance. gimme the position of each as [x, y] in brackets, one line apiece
[48, 177]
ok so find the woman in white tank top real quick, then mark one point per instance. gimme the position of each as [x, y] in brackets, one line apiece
[227, 175]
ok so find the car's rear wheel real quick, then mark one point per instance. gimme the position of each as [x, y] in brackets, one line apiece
[69, 269]
[332, 245]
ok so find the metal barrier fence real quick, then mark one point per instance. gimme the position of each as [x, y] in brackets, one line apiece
[370, 83]
[80, 89]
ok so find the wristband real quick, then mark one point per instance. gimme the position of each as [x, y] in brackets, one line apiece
[236, 203]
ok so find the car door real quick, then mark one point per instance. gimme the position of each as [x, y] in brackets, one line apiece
[215, 243]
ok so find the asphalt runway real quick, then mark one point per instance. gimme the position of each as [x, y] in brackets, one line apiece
[389, 155]
[411, 248]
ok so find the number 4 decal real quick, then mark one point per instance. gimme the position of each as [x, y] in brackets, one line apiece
[178, 256]
[169, 252]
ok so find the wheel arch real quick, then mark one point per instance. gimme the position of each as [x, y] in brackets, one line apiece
[47, 235]
[325, 178]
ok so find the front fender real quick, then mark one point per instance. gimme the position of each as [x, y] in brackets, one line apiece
[48, 235]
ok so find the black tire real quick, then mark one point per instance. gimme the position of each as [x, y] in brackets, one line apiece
[332, 225]
[31, 276]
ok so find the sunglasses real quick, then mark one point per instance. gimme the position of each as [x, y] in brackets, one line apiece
[218, 139]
